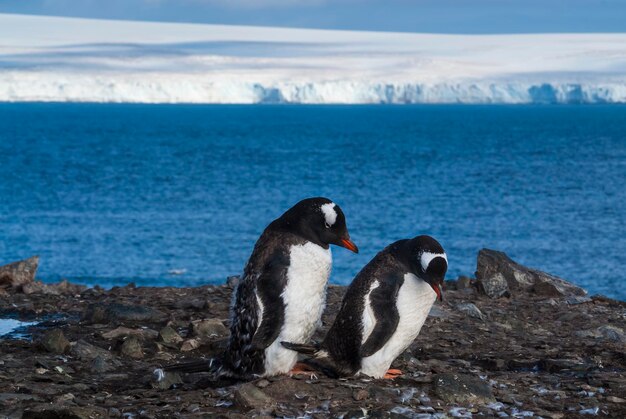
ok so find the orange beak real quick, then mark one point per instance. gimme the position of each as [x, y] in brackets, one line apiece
[438, 291]
[348, 244]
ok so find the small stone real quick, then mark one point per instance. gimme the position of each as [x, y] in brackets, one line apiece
[249, 396]
[125, 331]
[169, 335]
[64, 398]
[614, 399]
[438, 312]
[115, 413]
[132, 348]
[471, 310]
[464, 282]
[192, 408]
[613, 333]
[86, 351]
[208, 328]
[262, 383]
[462, 389]
[360, 394]
[494, 286]
[190, 345]
[100, 364]
[576, 299]
[165, 379]
[116, 313]
[54, 341]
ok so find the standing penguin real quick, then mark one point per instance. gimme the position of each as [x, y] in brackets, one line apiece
[282, 293]
[383, 310]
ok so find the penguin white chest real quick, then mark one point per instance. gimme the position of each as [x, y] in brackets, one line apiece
[415, 298]
[304, 297]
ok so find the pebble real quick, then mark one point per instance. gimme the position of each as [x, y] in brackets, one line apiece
[132, 348]
[208, 328]
[361, 394]
[190, 345]
[55, 341]
[249, 396]
[470, 310]
[169, 335]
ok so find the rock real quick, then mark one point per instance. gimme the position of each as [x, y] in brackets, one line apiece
[54, 411]
[169, 335]
[360, 394]
[190, 345]
[101, 364]
[614, 399]
[165, 379]
[248, 396]
[54, 341]
[38, 287]
[471, 310]
[262, 383]
[232, 281]
[464, 282]
[577, 300]
[132, 348]
[86, 351]
[438, 312]
[67, 288]
[613, 333]
[462, 389]
[15, 275]
[494, 286]
[121, 332]
[208, 328]
[116, 313]
[191, 304]
[493, 267]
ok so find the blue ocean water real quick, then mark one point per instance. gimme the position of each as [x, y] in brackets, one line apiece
[108, 194]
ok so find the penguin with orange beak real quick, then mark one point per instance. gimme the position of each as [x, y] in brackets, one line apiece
[281, 294]
[382, 312]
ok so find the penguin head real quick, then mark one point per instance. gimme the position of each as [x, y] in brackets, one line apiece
[320, 221]
[429, 262]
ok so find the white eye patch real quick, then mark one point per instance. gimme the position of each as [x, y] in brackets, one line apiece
[330, 214]
[427, 257]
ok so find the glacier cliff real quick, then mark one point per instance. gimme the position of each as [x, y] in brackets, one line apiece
[83, 60]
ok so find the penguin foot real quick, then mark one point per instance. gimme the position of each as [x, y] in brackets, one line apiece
[303, 369]
[392, 373]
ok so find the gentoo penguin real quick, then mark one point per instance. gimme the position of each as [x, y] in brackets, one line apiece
[383, 310]
[282, 292]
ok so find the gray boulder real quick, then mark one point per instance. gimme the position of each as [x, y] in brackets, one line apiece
[498, 275]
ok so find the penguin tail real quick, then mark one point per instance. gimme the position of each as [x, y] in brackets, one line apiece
[212, 365]
[309, 350]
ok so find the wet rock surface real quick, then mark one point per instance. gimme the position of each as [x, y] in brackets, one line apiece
[527, 355]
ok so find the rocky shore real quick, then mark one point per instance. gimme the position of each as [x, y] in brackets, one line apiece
[511, 342]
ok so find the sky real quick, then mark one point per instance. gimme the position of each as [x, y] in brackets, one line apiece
[436, 16]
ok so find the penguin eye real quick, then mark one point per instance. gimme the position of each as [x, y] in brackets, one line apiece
[327, 225]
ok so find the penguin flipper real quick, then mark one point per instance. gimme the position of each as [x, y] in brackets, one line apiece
[270, 286]
[383, 303]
